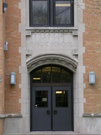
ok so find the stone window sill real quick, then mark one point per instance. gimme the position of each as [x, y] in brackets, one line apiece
[73, 30]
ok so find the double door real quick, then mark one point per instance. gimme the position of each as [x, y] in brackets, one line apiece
[51, 109]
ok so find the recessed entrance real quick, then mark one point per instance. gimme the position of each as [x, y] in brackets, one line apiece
[51, 99]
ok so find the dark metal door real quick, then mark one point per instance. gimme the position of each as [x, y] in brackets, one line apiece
[52, 109]
[41, 109]
[62, 109]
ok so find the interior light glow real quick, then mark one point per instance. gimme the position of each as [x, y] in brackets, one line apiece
[58, 92]
[63, 5]
[36, 79]
[63, 92]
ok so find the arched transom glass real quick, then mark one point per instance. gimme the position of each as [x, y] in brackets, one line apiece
[51, 74]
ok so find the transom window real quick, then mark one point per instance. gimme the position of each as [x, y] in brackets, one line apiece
[51, 74]
[51, 13]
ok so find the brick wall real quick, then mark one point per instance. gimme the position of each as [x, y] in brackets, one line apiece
[92, 56]
[1, 67]
[13, 57]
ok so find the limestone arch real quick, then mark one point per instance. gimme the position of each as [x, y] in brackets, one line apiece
[55, 59]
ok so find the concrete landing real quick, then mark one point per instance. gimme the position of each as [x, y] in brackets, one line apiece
[52, 133]
[56, 133]
[48, 133]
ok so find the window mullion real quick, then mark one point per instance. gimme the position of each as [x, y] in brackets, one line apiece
[72, 12]
[51, 12]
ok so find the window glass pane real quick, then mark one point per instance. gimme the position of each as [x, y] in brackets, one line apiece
[61, 97]
[46, 74]
[41, 99]
[39, 12]
[63, 12]
[37, 76]
[66, 76]
[56, 75]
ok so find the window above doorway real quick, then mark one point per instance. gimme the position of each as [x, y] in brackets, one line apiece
[51, 13]
[51, 74]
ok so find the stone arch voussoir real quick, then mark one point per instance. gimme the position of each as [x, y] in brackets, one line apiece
[56, 59]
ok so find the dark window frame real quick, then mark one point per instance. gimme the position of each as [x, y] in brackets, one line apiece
[51, 14]
[37, 25]
[41, 103]
[51, 74]
[71, 15]
[57, 102]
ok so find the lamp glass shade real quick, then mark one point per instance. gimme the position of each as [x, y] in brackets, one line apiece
[91, 78]
[5, 5]
[12, 78]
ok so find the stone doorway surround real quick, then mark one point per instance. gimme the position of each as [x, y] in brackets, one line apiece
[56, 59]
[38, 48]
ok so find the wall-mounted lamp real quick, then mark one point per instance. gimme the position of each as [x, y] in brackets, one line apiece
[0, 79]
[6, 46]
[12, 78]
[91, 78]
[5, 5]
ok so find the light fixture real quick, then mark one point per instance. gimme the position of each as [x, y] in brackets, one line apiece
[36, 79]
[58, 92]
[6, 46]
[63, 5]
[12, 78]
[5, 5]
[91, 78]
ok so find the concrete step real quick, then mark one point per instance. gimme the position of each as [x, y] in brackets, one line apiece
[57, 133]
[49, 133]
[52, 133]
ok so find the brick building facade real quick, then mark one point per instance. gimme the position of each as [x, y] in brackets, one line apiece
[1, 67]
[92, 44]
[36, 51]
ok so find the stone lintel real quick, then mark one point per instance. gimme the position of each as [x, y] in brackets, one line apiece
[72, 30]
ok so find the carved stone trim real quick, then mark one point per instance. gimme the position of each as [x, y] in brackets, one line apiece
[75, 52]
[28, 33]
[75, 33]
[72, 30]
[57, 59]
[28, 52]
[92, 115]
[2, 116]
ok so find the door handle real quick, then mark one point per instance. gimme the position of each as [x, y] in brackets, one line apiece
[55, 112]
[48, 112]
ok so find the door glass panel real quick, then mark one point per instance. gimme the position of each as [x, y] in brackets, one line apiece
[56, 75]
[63, 12]
[37, 76]
[39, 12]
[61, 98]
[66, 76]
[41, 99]
[46, 75]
